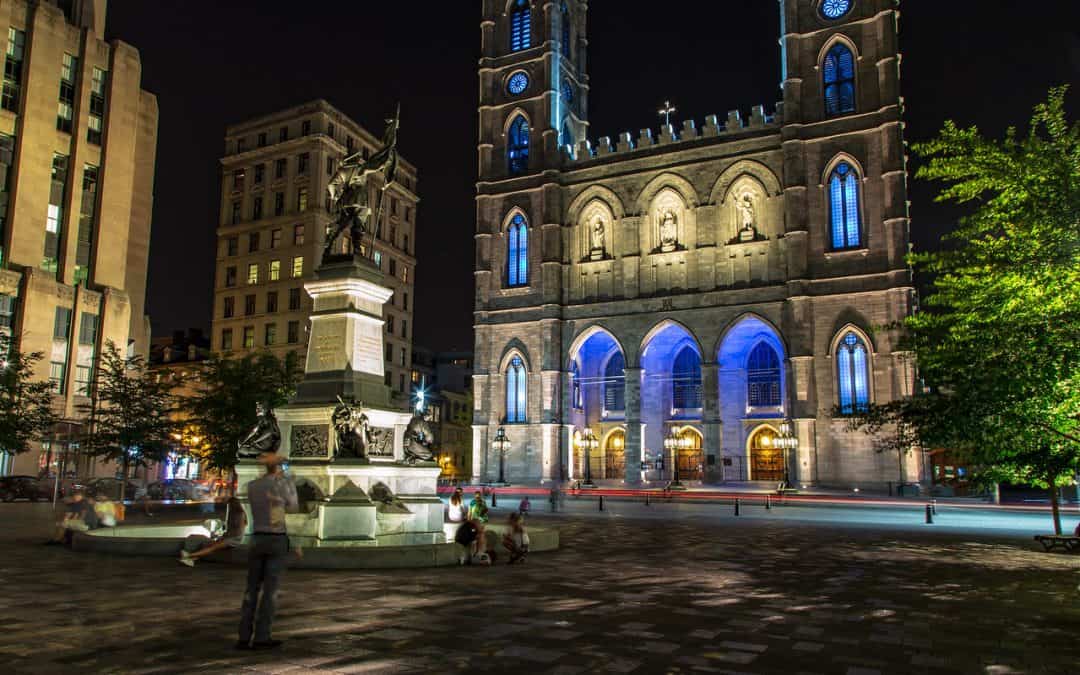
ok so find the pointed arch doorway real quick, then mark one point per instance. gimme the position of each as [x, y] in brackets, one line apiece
[615, 455]
[766, 460]
[691, 456]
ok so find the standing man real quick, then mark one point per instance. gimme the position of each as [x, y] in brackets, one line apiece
[270, 497]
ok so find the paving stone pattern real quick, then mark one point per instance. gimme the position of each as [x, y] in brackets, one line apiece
[622, 596]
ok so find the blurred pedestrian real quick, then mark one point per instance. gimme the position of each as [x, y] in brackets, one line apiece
[72, 519]
[269, 497]
[105, 509]
[525, 506]
[516, 539]
[233, 537]
[478, 516]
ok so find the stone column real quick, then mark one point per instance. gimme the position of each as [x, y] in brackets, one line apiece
[633, 426]
[710, 420]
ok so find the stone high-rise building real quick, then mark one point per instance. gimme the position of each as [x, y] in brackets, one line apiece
[272, 231]
[704, 283]
[78, 137]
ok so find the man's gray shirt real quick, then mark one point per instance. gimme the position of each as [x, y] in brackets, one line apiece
[271, 496]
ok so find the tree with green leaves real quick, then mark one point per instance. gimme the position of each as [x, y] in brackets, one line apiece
[998, 337]
[223, 408]
[26, 410]
[129, 416]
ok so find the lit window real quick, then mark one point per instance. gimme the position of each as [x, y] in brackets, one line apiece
[844, 207]
[253, 274]
[298, 266]
[520, 26]
[249, 337]
[275, 270]
[763, 376]
[517, 150]
[834, 9]
[301, 199]
[686, 380]
[852, 373]
[517, 83]
[517, 258]
[516, 391]
[839, 80]
[69, 67]
[615, 383]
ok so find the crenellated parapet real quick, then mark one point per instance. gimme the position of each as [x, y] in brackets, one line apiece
[668, 134]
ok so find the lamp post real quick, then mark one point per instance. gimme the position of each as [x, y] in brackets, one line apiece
[587, 443]
[787, 440]
[501, 445]
[674, 443]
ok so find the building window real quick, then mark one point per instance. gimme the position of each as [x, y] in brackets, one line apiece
[330, 129]
[839, 78]
[57, 372]
[393, 267]
[405, 301]
[294, 299]
[230, 276]
[305, 128]
[404, 329]
[13, 70]
[298, 235]
[262, 140]
[293, 336]
[241, 145]
[96, 124]
[226, 339]
[577, 402]
[283, 134]
[517, 149]
[82, 379]
[298, 267]
[66, 107]
[253, 274]
[271, 302]
[253, 242]
[279, 203]
[389, 353]
[249, 305]
[520, 26]
[516, 391]
[390, 325]
[615, 383]
[377, 258]
[88, 329]
[7, 313]
[249, 337]
[517, 252]
[844, 207]
[62, 324]
[405, 274]
[275, 270]
[852, 373]
[280, 167]
[256, 208]
[401, 360]
[232, 246]
[405, 243]
[686, 380]
[238, 180]
[229, 308]
[260, 171]
[7, 162]
[301, 199]
[87, 223]
[566, 45]
[763, 376]
[270, 334]
[302, 164]
[234, 219]
[275, 238]
[349, 144]
[54, 220]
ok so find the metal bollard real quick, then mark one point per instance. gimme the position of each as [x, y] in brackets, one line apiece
[929, 515]
[601, 502]
[933, 506]
[768, 503]
[646, 499]
[736, 507]
[494, 499]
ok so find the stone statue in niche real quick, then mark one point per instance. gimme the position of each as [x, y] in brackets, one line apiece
[669, 231]
[747, 217]
[596, 237]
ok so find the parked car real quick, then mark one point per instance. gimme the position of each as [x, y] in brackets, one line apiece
[175, 489]
[111, 487]
[24, 487]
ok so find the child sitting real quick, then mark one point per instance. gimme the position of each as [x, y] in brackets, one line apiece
[516, 539]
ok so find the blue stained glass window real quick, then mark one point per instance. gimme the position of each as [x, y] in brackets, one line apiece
[517, 151]
[566, 48]
[839, 80]
[686, 380]
[844, 217]
[834, 9]
[567, 93]
[566, 137]
[521, 26]
[763, 376]
[853, 374]
[516, 390]
[517, 258]
[615, 383]
[517, 83]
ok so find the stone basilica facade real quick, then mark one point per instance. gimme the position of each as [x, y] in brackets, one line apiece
[706, 282]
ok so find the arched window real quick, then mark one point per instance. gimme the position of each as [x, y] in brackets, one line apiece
[517, 147]
[566, 48]
[567, 135]
[844, 207]
[520, 26]
[516, 390]
[615, 383]
[575, 387]
[686, 380]
[763, 376]
[517, 252]
[852, 373]
[839, 79]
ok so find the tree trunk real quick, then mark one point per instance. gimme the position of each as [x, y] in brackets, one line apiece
[1055, 507]
[123, 475]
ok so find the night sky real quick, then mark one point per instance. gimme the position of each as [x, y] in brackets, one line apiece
[216, 62]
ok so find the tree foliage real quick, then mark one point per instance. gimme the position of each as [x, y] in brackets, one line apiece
[223, 409]
[130, 412]
[26, 411]
[997, 338]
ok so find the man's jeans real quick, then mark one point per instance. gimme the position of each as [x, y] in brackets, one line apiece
[266, 563]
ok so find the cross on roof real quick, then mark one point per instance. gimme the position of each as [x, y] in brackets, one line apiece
[666, 112]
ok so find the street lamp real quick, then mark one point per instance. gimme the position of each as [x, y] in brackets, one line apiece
[673, 443]
[787, 440]
[501, 445]
[587, 443]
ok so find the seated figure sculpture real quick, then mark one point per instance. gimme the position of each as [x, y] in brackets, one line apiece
[265, 437]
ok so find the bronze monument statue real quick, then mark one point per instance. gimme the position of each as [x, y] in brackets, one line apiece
[350, 193]
[265, 437]
[352, 430]
[419, 441]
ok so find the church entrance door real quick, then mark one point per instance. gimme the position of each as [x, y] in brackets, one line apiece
[691, 456]
[615, 455]
[766, 460]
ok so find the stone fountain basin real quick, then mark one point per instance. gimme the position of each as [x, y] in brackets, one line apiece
[168, 540]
